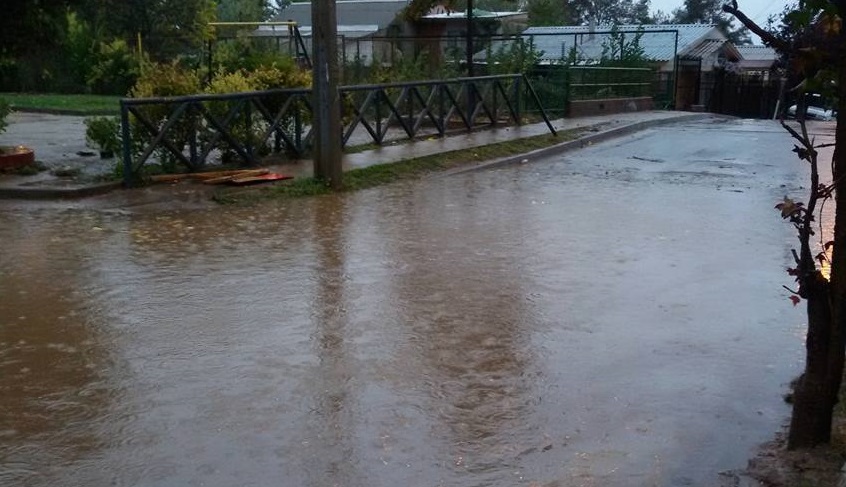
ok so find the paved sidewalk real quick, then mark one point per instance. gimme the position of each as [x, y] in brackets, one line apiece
[59, 142]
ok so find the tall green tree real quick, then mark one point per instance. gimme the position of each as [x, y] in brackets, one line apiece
[710, 12]
[246, 10]
[167, 27]
[548, 13]
[419, 8]
[609, 12]
[33, 26]
[812, 38]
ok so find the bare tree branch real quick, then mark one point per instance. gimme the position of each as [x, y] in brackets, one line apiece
[767, 37]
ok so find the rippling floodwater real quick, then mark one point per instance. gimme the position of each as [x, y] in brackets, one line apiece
[591, 320]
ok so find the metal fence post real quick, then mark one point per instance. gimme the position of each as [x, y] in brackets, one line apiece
[298, 128]
[192, 140]
[127, 142]
[378, 102]
[518, 99]
[248, 116]
[441, 118]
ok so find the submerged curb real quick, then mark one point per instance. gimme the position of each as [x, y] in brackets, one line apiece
[581, 142]
[46, 193]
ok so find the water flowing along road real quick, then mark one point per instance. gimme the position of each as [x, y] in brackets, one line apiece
[609, 317]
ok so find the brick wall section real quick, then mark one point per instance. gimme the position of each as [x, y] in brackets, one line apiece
[586, 108]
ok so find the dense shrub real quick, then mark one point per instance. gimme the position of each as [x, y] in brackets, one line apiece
[283, 73]
[5, 109]
[79, 49]
[169, 79]
[247, 129]
[243, 131]
[162, 80]
[115, 68]
[103, 133]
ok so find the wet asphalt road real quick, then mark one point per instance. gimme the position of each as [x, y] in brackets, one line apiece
[609, 317]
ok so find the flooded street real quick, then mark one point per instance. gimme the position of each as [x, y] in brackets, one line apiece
[609, 317]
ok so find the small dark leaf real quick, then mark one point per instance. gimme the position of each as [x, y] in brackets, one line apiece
[792, 271]
[795, 300]
[801, 152]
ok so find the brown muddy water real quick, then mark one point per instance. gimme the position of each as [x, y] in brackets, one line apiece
[612, 317]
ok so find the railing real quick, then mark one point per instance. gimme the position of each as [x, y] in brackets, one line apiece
[440, 106]
[187, 130]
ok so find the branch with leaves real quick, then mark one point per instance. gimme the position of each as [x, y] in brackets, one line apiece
[812, 40]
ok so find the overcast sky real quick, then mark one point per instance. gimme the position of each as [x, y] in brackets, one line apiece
[757, 10]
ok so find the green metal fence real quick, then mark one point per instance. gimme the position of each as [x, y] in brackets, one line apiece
[558, 85]
[598, 83]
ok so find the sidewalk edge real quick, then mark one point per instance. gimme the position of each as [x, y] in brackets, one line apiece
[580, 143]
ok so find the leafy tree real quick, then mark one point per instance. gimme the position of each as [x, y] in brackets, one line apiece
[812, 39]
[608, 12]
[246, 10]
[32, 26]
[661, 17]
[621, 52]
[419, 8]
[548, 12]
[520, 56]
[167, 27]
[710, 12]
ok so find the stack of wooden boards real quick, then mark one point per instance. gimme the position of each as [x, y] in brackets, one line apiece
[236, 177]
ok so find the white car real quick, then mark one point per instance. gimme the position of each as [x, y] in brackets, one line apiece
[814, 113]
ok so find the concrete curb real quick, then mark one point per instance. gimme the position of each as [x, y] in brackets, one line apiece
[81, 191]
[61, 111]
[580, 143]
[42, 193]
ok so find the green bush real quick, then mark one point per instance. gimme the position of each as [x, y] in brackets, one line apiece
[516, 57]
[78, 48]
[103, 133]
[5, 110]
[170, 79]
[115, 68]
[283, 73]
[173, 80]
[236, 82]
[162, 80]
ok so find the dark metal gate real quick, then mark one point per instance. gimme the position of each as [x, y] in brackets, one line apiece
[744, 96]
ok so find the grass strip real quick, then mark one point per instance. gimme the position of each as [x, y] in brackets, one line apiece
[381, 174]
[66, 104]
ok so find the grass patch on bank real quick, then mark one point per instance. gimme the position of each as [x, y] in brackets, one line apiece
[381, 174]
[60, 103]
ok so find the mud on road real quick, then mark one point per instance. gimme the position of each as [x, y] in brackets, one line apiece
[609, 317]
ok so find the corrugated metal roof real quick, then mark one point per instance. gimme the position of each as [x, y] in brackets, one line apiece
[349, 12]
[476, 14]
[757, 53]
[348, 31]
[556, 42]
[704, 48]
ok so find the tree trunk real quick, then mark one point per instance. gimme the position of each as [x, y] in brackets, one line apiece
[810, 424]
[817, 391]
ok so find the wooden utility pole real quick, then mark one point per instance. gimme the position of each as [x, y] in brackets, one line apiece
[326, 100]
